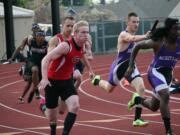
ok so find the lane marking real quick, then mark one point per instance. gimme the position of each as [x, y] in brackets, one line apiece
[23, 130]
[46, 127]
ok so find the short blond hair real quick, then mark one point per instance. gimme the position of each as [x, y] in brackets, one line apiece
[79, 24]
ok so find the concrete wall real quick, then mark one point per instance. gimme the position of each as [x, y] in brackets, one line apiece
[22, 28]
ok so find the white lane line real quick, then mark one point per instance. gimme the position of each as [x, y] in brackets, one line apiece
[77, 123]
[8, 84]
[23, 130]
[16, 70]
[10, 76]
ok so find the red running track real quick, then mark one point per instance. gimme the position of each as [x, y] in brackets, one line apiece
[101, 113]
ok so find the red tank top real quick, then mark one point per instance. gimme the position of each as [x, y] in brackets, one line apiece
[60, 37]
[62, 67]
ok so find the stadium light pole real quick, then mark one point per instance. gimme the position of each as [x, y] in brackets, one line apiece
[55, 13]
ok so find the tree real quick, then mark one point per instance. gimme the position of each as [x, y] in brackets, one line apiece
[19, 3]
[103, 2]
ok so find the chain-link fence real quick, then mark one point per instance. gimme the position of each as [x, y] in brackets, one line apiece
[105, 34]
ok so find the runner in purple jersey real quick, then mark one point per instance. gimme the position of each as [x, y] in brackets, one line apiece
[126, 40]
[165, 42]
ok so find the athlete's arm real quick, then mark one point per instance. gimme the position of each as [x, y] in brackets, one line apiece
[127, 37]
[145, 44]
[88, 51]
[18, 49]
[57, 52]
[52, 43]
[88, 65]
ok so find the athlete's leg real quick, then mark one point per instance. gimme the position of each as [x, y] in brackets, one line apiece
[25, 90]
[160, 80]
[137, 82]
[35, 81]
[164, 108]
[115, 75]
[151, 103]
[161, 102]
[27, 78]
[73, 106]
[51, 114]
[77, 76]
[51, 100]
[62, 106]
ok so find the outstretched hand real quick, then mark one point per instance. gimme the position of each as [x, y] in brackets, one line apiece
[91, 75]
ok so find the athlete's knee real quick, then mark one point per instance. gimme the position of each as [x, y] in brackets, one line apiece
[74, 107]
[35, 69]
[51, 114]
[141, 91]
[154, 109]
[164, 95]
[61, 112]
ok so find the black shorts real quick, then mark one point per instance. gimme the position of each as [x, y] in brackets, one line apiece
[59, 88]
[28, 67]
[167, 73]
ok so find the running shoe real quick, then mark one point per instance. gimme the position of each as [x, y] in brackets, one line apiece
[42, 105]
[140, 123]
[95, 80]
[131, 103]
[21, 100]
[170, 132]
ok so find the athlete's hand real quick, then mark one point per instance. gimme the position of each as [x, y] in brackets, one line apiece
[148, 34]
[43, 83]
[91, 75]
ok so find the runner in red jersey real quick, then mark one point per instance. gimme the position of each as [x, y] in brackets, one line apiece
[57, 80]
[67, 25]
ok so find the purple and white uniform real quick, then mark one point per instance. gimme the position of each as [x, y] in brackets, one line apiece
[160, 70]
[120, 65]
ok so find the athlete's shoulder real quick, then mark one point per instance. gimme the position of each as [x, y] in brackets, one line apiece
[54, 40]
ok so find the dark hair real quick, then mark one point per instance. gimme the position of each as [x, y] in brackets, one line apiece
[132, 14]
[161, 32]
[169, 22]
[67, 17]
